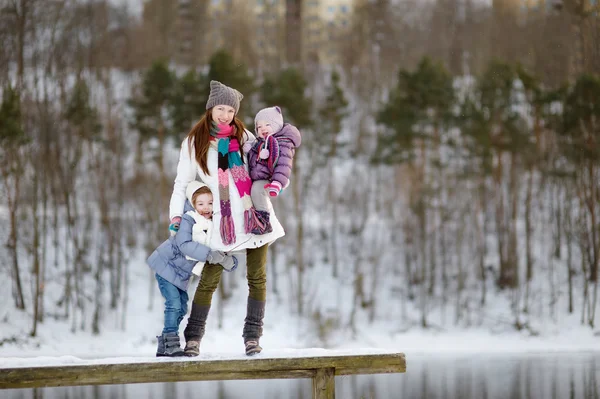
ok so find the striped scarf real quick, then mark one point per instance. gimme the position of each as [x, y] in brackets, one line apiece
[272, 146]
[230, 163]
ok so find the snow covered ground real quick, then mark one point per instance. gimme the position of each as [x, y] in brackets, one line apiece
[283, 332]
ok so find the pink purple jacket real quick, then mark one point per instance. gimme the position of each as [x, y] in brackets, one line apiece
[288, 139]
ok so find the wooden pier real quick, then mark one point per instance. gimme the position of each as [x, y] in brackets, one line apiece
[321, 369]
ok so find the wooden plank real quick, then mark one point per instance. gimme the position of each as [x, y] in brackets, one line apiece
[324, 384]
[184, 369]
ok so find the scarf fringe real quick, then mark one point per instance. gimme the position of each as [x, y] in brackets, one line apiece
[251, 220]
[227, 230]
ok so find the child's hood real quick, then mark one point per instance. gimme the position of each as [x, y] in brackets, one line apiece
[290, 132]
[192, 187]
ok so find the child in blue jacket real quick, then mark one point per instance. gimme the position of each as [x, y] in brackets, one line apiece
[173, 262]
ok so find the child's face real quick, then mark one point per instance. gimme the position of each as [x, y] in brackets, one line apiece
[203, 204]
[223, 114]
[263, 129]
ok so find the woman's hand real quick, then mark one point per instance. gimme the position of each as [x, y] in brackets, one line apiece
[229, 262]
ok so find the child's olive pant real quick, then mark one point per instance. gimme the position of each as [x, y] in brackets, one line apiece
[256, 264]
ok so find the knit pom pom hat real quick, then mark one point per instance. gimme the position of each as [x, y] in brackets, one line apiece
[271, 115]
[223, 95]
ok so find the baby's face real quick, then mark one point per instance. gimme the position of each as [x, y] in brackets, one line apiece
[203, 204]
[263, 129]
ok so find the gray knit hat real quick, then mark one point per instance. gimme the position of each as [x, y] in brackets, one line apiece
[223, 95]
[272, 115]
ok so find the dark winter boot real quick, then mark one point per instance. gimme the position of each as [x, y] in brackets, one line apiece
[255, 312]
[170, 345]
[264, 225]
[194, 331]
[160, 350]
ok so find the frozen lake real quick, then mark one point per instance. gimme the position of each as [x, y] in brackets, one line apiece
[514, 376]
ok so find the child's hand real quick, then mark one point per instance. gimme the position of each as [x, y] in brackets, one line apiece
[247, 147]
[230, 263]
[274, 188]
[174, 226]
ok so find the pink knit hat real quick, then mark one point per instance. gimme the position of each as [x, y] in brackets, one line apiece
[272, 115]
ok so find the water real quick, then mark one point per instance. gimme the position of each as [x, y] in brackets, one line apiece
[547, 376]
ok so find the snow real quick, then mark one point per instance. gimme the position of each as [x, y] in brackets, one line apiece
[132, 338]
[53, 361]
[417, 343]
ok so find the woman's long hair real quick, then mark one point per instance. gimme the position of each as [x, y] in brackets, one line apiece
[199, 138]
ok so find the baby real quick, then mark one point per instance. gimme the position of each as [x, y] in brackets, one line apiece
[270, 160]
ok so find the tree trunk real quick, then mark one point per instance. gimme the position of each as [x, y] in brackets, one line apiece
[13, 238]
[299, 238]
[21, 15]
[481, 231]
[334, 222]
[293, 33]
[528, 233]
[501, 226]
[36, 257]
[570, 268]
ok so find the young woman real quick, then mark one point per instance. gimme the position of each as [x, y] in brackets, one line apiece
[212, 151]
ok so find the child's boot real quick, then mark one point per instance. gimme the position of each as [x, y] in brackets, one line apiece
[264, 227]
[160, 350]
[255, 312]
[171, 345]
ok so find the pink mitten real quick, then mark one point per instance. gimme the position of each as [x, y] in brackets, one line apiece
[274, 188]
[247, 147]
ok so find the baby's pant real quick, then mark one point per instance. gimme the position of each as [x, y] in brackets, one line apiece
[259, 195]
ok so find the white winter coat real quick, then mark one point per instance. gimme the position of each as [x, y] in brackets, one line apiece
[188, 169]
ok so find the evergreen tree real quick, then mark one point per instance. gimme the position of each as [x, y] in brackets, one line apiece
[80, 114]
[497, 138]
[11, 130]
[490, 122]
[326, 144]
[225, 69]
[12, 139]
[151, 111]
[580, 144]
[188, 102]
[151, 108]
[417, 117]
[419, 108]
[151, 105]
[580, 130]
[332, 114]
[287, 89]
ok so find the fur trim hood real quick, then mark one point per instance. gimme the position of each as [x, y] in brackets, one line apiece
[192, 187]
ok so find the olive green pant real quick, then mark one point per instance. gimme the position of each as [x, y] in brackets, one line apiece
[256, 274]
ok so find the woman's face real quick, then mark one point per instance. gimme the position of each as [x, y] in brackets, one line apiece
[223, 114]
